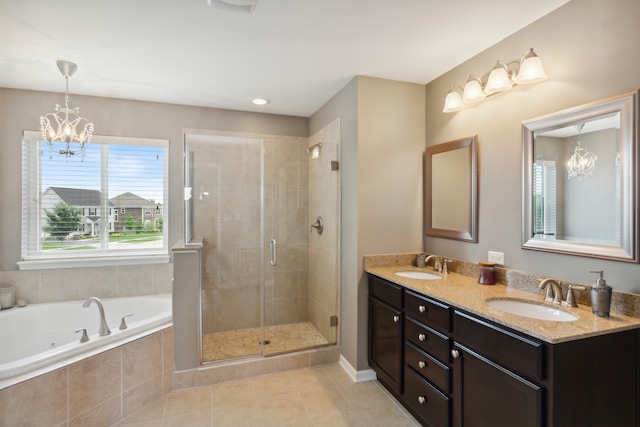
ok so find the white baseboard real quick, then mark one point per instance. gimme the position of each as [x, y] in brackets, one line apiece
[357, 376]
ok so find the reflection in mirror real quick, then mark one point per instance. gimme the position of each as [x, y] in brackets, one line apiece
[579, 181]
[451, 190]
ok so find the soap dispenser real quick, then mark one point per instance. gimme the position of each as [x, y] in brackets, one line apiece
[600, 296]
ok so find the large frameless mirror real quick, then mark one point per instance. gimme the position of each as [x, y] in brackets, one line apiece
[451, 188]
[580, 180]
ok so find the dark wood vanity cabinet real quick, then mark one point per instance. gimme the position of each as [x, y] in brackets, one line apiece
[451, 368]
[386, 332]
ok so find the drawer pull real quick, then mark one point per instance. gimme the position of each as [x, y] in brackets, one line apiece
[422, 337]
[422, 309]
[455, 354]
[422, 364]
[422, 399]
[396, 319]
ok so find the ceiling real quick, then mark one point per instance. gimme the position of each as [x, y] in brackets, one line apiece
[297, 53]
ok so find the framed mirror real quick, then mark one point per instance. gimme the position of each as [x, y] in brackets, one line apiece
[451, 190]
[580, 180]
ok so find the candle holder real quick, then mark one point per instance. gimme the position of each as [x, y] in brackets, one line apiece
[7, 297]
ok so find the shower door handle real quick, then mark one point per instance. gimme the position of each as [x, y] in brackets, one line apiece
[273, 251]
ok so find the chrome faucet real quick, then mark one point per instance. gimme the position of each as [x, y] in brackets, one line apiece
[553, 290]
[104, 328]
[437, 265]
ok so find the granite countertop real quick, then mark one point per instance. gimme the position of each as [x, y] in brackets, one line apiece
[465, 293]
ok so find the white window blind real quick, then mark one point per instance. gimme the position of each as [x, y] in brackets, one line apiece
[544, 182]
[108, 203]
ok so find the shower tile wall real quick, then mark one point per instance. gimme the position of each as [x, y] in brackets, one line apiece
[324, 253]
[226, 212]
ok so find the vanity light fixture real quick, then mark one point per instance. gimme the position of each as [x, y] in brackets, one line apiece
[260, 101]
[581, 162]
[453, 102]
[66, 119]
[502, 77]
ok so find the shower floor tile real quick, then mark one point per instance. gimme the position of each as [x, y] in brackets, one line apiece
[246, 342]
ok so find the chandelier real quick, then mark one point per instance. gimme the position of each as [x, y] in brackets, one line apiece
[582, 162]
[60, 126]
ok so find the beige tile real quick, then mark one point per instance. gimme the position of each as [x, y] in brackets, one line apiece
[383, 414]
[363, 395]
[102, 284]
[256, 368]
[338, 418]
[234, 392]
[191, 400]
[162, 276]
[193, 419]
[141, 360]
[269, 386]
[306, 380]
[282, 408]
[94, 380]
[246, 414]
[142, 395]
[103, 415]
[27, 284]
[291, 362]
[41, 401]
[324, 399]
[59, 284]
[168, 349]
[135, 280]
[153, 412]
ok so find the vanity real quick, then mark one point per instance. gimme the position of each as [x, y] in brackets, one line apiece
[452, 359]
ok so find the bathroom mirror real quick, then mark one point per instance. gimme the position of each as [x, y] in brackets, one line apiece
[580, 180]
[451, 190]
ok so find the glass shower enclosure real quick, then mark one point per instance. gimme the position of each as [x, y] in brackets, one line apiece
[269, 279]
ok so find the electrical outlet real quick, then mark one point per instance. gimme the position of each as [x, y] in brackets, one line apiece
[497, 257]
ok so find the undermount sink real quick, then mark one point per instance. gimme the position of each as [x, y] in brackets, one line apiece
[531, 309]
[423, 275]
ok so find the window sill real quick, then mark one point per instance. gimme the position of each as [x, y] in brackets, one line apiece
[42, 264]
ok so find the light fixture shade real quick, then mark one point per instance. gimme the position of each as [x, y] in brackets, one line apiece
[531, 70]
[498, 79]
[453, 101]
[472, 90]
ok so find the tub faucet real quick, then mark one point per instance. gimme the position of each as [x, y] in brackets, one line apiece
[104, 328]
[437, 264]
[554, 292]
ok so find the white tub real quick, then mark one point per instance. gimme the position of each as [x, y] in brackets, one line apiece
[41, 337]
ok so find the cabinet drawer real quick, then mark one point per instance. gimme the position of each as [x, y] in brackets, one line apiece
[427, 339]
[428, 403]
[518, 353]
[437, 373]
[427, 311]
[385, 291]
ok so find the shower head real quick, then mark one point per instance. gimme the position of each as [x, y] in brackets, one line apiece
[314, 150]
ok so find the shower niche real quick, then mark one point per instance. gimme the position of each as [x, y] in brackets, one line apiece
[268, 284]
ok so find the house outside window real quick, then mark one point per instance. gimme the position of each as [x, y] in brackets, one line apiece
[71, 205]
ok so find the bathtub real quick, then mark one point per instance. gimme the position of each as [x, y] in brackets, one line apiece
[41, 337]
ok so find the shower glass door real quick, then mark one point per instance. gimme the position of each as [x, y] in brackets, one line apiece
[269, 280]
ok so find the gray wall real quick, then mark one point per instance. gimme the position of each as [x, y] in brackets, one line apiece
[382, 146]
[589, 51]
[21, 110]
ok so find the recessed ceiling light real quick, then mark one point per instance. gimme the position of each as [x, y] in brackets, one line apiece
[260, 101]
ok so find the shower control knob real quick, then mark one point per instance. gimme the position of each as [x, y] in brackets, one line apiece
[396, 319]
[422, 337]
[422, 309]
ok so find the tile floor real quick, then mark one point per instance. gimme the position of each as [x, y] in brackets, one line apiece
[319, 396]
[245, 342]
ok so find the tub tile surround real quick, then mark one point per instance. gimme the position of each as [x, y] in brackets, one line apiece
[461, 289]
[98, 391]
[70, 284]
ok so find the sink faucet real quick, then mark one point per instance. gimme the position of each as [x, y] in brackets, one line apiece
[554, 292]
[104, 328]
[437, 265]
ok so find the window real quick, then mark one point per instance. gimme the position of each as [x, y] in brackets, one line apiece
[70, 205]
[147, 212]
